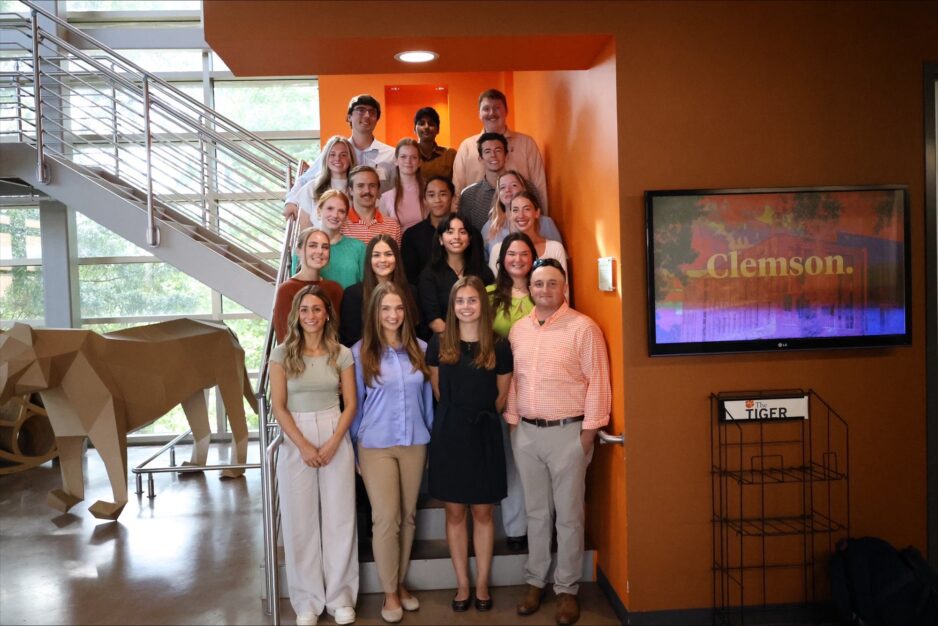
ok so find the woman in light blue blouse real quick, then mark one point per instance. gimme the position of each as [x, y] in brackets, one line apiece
[391, 430]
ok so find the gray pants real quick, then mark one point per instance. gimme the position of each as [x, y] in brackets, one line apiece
[514, 519]
[552, 467]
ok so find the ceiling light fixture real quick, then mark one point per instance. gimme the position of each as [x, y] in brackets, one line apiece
[416, 56]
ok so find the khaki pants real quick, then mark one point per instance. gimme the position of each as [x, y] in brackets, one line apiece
[552, 466]
[317, 505]
[392, 478]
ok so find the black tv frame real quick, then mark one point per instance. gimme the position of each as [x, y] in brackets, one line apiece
[776, 344]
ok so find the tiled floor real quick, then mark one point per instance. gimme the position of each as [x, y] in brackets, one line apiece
[192, 555]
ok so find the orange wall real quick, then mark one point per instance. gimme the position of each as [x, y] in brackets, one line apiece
[581, 113]
[753, 95]
[464, 89]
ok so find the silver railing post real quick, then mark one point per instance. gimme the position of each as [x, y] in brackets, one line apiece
[267, 513]
[153, 233]
[42, 171]
[114, 138]
[19, 105]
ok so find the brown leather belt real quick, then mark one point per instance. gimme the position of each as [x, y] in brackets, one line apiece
[542, 423]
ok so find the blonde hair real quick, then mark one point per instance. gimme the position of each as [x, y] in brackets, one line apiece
[498, 214]
[295, 342]
[324, 180]
[449, 339]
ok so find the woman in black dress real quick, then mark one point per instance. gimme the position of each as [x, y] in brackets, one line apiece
[457, 252]
[470, 370]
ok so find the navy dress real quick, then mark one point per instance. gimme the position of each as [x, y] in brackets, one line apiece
[467, 458]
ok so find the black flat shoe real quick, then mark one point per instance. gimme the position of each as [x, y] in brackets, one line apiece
[461, 606]
[483, 605]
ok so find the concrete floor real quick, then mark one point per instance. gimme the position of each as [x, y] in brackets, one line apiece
[192, 555]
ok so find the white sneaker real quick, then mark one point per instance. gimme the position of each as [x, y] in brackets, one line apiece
[307, 619]
[344, 615]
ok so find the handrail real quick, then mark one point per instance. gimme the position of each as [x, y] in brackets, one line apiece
[269, 450]
[191, 101]
[605, 437]
[146, 77]
[107, 112]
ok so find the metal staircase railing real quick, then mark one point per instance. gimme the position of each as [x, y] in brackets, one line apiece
[270, 438]
[191, 168]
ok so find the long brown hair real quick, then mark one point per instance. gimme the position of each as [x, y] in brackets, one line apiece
[399, 277]
[398, 187]
[295, 341]
[373, 343]
[501, 295]
[449, 339]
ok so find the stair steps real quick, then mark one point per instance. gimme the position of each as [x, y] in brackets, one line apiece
[430, 565]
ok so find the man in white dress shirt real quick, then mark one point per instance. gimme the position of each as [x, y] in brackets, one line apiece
[362, 116]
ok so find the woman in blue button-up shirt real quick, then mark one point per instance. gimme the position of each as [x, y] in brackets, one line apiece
[391, 430]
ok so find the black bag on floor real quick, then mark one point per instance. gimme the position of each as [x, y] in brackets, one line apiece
[873, 584]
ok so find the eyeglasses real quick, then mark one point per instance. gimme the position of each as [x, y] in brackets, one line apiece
[362, 111]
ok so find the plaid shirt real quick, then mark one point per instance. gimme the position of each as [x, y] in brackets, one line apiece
[561, 369]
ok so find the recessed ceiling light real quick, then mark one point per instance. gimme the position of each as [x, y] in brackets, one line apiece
[416, 56]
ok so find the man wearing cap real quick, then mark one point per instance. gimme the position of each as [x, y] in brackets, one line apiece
[362, 116]
[523, 154]
[559, 397]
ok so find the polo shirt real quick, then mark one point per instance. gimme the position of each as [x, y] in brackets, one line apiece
[355, 226]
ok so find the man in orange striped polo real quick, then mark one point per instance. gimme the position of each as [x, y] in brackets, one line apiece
[559, 397]
[364, 220]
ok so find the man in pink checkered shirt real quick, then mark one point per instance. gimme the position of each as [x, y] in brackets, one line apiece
[559, 397]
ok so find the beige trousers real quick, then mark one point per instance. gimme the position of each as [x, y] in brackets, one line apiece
[392, 478]
[317, 506]
[552, 467]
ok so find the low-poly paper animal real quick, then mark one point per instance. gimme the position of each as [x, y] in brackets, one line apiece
[105, 386]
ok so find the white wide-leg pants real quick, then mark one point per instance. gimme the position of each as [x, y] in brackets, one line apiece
[317, 507]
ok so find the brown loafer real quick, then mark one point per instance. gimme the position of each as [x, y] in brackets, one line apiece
[531, 601]
[568, 610]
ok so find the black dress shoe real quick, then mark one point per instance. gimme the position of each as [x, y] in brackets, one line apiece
[483, 605]
[517, 543]
[461, 606]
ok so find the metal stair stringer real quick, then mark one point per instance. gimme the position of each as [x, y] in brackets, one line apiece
[183, 245]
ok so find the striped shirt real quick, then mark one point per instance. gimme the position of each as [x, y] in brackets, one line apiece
[561, 369]
[356, 228]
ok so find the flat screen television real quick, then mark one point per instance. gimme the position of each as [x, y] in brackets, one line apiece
[733, 270]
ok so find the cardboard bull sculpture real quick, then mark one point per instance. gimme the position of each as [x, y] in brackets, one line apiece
[104, 386]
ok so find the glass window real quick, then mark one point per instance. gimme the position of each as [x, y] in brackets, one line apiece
[299, 148]
[218, 64]
[186, 60]
[261, 105]
[133, 5]
[19, 233]
[21, 295]
[95, 240]
[250, 333]
[13, 6]
[121, 290]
